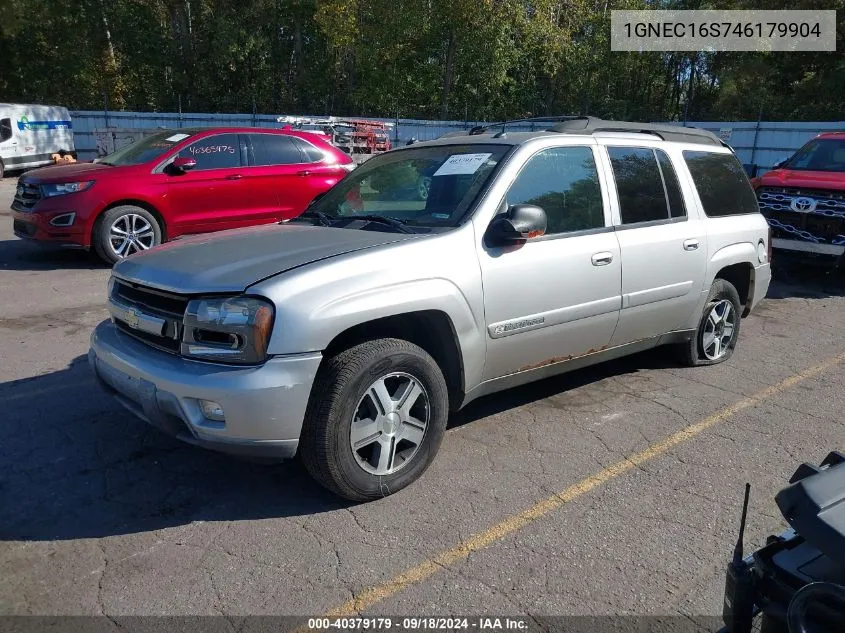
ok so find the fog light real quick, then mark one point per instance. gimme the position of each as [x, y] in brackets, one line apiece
[212, 410]
[65, 219]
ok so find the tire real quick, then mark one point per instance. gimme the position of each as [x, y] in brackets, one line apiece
[2, 170]
[106, 239]
[724, 304]
[343, 408]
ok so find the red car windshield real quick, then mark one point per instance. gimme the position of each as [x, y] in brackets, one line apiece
[145, 149]
[823, 154]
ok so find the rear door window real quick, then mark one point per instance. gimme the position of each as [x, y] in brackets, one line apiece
[221, 151]
[275, 149]
[639, 184]
[310, 153]
[677, 207]
[722, 184]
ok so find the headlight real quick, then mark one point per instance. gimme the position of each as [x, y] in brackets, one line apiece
[60, 189]
[228, 329]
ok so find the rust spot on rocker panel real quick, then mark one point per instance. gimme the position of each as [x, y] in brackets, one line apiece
[560, 359]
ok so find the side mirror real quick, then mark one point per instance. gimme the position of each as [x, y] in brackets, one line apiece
[183, 163]
[521, 222]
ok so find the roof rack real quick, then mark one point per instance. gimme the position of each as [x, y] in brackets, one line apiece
[480, 129]
[590, 125]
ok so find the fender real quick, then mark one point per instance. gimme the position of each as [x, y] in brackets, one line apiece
[739, 253]
[300, 328]
[437, 294]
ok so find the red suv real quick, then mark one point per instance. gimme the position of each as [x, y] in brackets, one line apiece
[803, 198]
[174, 183]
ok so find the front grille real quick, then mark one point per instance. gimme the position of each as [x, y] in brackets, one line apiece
[24, 228]
[810, 215]
[27, 196]
[157, 302]
[164, 343]
[165, 305]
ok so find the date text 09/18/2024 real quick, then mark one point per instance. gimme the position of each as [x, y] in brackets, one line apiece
[419, 624]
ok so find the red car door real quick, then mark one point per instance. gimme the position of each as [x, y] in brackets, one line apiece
[287, 173]
[212, 195]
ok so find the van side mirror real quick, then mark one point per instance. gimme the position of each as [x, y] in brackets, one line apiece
[183, 163]
[520, 223]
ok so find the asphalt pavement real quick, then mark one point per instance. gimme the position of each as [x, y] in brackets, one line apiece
[611, 490]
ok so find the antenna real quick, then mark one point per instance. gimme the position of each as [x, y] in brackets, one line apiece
[737, 559]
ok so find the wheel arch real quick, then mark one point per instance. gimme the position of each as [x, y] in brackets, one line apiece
[741, 277]
[133, 202]
[734, 264]
[432, 330]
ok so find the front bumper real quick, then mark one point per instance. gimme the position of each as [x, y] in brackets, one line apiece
[836, 250]
[264, 405]
[36, 226]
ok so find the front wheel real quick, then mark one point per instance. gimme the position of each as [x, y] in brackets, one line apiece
[718, 330]
[376, 418]
[123, 231]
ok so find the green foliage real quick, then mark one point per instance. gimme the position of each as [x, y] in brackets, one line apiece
[456, 59]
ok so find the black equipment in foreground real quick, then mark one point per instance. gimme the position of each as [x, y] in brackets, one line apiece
[796, 583]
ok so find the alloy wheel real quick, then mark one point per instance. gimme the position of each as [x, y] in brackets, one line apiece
[389, 423]
[130, 233]
[718, 330]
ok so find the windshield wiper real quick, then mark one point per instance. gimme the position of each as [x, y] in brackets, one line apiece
[323, 219]
[396, 223]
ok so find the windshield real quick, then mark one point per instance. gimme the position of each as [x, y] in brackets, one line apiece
[825, 154]
[426, 186]
[145, 149]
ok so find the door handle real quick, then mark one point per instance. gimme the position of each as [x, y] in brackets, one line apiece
[602, 259]
[690, 245]
[234, 177]
[304, 172]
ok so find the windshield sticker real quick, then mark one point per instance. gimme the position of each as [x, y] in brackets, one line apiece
[441, 216]
[462, 164]
[176, 138]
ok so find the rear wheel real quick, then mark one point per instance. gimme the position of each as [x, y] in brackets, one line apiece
[718, 330]
[125, 230]
[376, 418]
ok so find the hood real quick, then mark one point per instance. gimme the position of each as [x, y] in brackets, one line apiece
[231, 261]
[806, 179]
[71, 172]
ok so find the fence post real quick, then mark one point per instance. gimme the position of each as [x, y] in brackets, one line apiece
[180, 110]
[754, 145]
[106, 107]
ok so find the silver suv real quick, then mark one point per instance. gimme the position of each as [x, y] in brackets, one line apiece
[430, 276]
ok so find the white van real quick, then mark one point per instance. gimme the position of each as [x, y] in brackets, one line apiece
[31, 134]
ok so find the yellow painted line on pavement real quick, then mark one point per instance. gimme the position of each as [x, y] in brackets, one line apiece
[415, 575]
